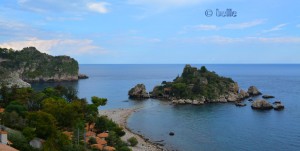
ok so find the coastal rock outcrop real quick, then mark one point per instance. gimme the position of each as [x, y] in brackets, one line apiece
[243, 94]
[138, 92]
[240, 104]
[267, 96]
[278, 107]
[33, 66]
[82, 76]
[253, 91]
[14, 79]
[261, 105]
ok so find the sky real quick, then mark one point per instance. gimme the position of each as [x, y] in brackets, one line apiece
[155, 31]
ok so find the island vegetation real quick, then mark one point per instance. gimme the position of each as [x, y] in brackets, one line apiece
[194, 86]
[58, 117]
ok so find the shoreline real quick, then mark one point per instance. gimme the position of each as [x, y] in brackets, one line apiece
[120, 116]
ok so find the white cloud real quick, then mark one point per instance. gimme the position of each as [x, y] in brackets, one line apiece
[230, 40]
[64, 18]
[15, 29]
[165, 3]
[134, 40]
[59, 6]
[237, 26]
[204, 27]
[57, 46]
[284, 40]
[276, 28]
[100, 7]
[244, 24]
[151, 7]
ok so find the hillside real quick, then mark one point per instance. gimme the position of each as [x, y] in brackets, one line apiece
[34, 66]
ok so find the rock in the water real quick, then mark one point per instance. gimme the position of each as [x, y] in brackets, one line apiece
[138, 92]
[267, 96]
[240, 104]
[261, 105]
[82, 76]
[171, 133]
[277, 102]
[278, 107]
[253, 91]
[243, 94]
[250, 100]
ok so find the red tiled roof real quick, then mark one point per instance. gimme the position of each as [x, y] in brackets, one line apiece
[90, 133]
[3, 132]
[102, 135]
[6, 148]
[97, 146]
[101, 141]
[2, 110]
[109, 148]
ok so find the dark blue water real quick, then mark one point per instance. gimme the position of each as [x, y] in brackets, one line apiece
[208, 127]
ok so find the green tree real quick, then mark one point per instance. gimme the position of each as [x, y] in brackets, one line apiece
[179, 89]
[29, 133]
[17, 107]
[57, 142]
[20, 142]
[4, 94]
[66, 114]
[44, 123]
[13, 120]
[99, 101]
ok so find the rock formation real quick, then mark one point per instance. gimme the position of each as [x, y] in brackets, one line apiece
[267, 96]
[138, 92]
[253, 91]
[278, 107]
[261, 105]
[82, 76]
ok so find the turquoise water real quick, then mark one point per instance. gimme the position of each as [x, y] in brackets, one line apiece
[208, 127]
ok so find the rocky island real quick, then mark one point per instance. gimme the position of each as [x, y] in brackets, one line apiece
[200, 86]
[30, 65]
[138, 92]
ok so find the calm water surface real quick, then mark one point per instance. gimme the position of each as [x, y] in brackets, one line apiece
[210, 127]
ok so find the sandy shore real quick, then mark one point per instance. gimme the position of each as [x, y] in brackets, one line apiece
[120, 116]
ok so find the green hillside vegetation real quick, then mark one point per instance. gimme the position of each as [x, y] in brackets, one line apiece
[193, 84]
[48, 113]
[34, 65]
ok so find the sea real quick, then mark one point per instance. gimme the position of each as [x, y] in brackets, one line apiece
[209, 127]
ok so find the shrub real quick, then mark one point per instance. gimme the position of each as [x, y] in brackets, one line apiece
[132, 141]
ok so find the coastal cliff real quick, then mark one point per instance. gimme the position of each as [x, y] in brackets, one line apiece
[30, 65]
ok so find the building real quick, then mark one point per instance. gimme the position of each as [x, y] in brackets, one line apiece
[3, 137]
